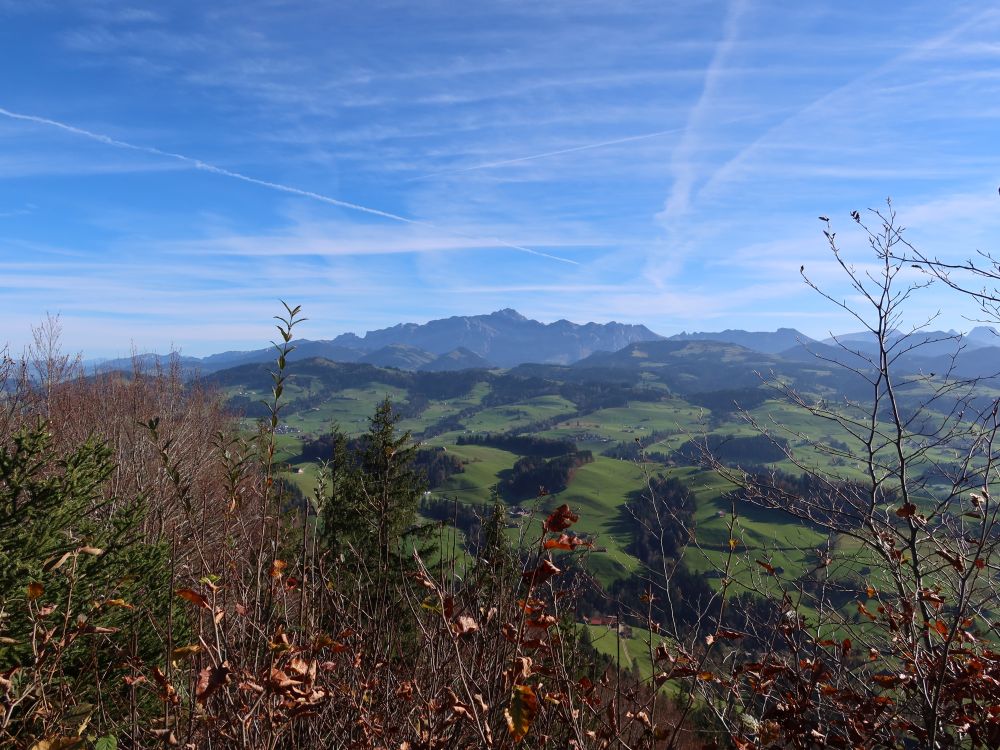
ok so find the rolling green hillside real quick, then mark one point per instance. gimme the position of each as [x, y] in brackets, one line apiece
[645, 402]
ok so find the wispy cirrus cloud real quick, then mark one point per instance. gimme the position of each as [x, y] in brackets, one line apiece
[679, 151]
[858, 96]
[270, 185]
[683, 166]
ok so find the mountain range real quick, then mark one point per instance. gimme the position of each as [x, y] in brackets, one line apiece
[506, 339]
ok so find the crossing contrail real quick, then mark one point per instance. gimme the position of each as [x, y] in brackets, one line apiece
[571, 150]
[215, 169]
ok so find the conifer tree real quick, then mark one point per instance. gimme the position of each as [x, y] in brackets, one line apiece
[77, 585]
[375, 489]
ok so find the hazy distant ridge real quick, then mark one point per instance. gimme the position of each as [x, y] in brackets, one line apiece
[504, 338]
[767, 342]
[507, 339]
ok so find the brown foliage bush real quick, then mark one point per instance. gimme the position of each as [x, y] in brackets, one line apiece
[217, 617]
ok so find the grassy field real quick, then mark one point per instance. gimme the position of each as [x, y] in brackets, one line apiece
[633, 649]
[598, 491]
[483, 466]
[512, 417]
[729, 541]
[438, 410]
[637, 420]
[350, 409]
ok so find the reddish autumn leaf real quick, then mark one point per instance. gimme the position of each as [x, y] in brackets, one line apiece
[566, 542]
[862, 609]
[681, 672]
[766, 566]
[194, 597]
[509, 632]
[954, 560]
[729, 635]
[940, 627]
[35, 590]
[531, 606]
[521, 669]
[906, 510]
[169, 692]
[928, 595]
[542, 622]
[405, 690]
[886, 680]
[464, 624]
[521, 711]
[980, 563]
[540, 574]
[210, 679]
[561, 519]
[277, 567]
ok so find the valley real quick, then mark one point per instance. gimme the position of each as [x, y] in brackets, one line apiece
[645, 411]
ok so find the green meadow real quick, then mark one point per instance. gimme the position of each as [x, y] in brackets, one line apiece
[599, 491]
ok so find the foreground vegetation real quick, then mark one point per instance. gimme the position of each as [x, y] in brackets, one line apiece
[631, 556]
[163, 585]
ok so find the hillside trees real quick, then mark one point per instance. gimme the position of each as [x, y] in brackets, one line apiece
[534, 475]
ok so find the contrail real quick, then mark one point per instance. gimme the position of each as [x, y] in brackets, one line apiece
[214, 169]
[574, 149]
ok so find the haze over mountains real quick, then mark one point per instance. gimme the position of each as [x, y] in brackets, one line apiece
[507, 339]
[504, 338]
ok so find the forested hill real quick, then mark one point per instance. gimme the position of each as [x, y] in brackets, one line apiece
[690, 368]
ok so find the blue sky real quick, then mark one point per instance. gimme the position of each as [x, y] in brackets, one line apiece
[169, 170]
